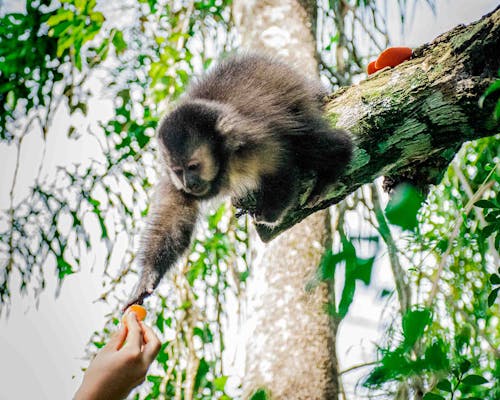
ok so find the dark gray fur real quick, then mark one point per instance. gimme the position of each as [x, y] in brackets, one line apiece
[245, 127]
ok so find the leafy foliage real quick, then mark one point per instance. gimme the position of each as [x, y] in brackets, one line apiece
[355, 269]
[403, 207]
[492, 216]
[459, 383]
[260, 394]
[402, 362]
[449, 264]
[29, 65]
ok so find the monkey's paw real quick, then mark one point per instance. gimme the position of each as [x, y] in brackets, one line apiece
[268, 217]
[144, 289]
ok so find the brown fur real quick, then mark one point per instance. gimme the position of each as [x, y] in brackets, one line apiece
[246, 127]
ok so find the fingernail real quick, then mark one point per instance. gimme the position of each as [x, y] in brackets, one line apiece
[133, 313]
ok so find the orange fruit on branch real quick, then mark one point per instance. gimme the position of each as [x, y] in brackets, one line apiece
[393, 56]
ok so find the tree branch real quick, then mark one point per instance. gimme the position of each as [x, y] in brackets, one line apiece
[408, 122]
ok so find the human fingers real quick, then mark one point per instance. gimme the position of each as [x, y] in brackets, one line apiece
[117, 338]
[134, 337]
[152, 345]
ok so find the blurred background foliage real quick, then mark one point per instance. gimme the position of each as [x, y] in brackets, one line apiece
[443, 337]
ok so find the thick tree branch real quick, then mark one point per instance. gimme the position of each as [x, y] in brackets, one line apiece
[408, 122]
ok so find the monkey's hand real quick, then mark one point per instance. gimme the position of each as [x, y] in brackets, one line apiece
[245, 205]
[145, 288]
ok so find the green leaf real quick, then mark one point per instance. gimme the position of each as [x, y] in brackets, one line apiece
[464, 366]
[493, 216]
[216, 217]
[414, 324]
[79, 106]
[201, 374]
[62, 15]
[160, 322]
[244, 275]
[71, 131]
[347, 298]
[80, 5]
[119, 42]
[445, 385]
[333, 39]
[355, 269]
[220, 383]
[432, 396]
[492, 88]
[328, 265]
[63, 267]
[485, 204]
[64, 44]
[474, 380]
[403, 207]
[435, 357]
[493, 296]
[363, 270]
[260, 394]
[495, 279]
[488, 230]
[463, 337]
[184, 306]
[97, 17]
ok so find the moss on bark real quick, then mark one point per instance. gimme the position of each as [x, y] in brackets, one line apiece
[408, 122]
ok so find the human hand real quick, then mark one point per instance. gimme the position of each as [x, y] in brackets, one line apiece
[120, 366]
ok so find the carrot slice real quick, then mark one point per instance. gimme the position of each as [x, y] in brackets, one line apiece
[393, 56]
[371, 68]
[140, 311]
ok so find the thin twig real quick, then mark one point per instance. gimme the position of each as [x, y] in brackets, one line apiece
[358, 366]
[402, 287]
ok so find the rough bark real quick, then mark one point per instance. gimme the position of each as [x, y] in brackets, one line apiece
[408, 122]
[290, 348]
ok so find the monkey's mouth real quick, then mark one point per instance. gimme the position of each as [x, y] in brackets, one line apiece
[199, 191]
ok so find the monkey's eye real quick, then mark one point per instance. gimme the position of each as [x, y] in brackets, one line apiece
[194, 166]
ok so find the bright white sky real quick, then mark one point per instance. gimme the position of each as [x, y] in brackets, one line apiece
[41, 347]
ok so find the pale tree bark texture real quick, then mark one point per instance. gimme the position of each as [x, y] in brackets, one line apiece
[291, 344]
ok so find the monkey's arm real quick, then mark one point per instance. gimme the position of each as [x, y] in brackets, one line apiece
[165, 238]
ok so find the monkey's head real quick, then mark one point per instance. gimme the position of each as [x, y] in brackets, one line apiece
[192, 148]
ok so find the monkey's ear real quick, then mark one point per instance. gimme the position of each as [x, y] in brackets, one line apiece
[227, 126]
[236, 130]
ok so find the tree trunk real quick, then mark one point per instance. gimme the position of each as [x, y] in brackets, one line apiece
[291, 342]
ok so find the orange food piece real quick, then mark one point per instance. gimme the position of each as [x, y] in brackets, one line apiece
[392, 56]
[371, 68]
[140, 311]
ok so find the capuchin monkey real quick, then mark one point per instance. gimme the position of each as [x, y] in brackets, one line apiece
[247, 127]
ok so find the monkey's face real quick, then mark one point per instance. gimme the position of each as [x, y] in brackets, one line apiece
[192, 149]
[194, 172]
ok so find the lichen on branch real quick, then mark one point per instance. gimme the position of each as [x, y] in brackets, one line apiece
[408, 122]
